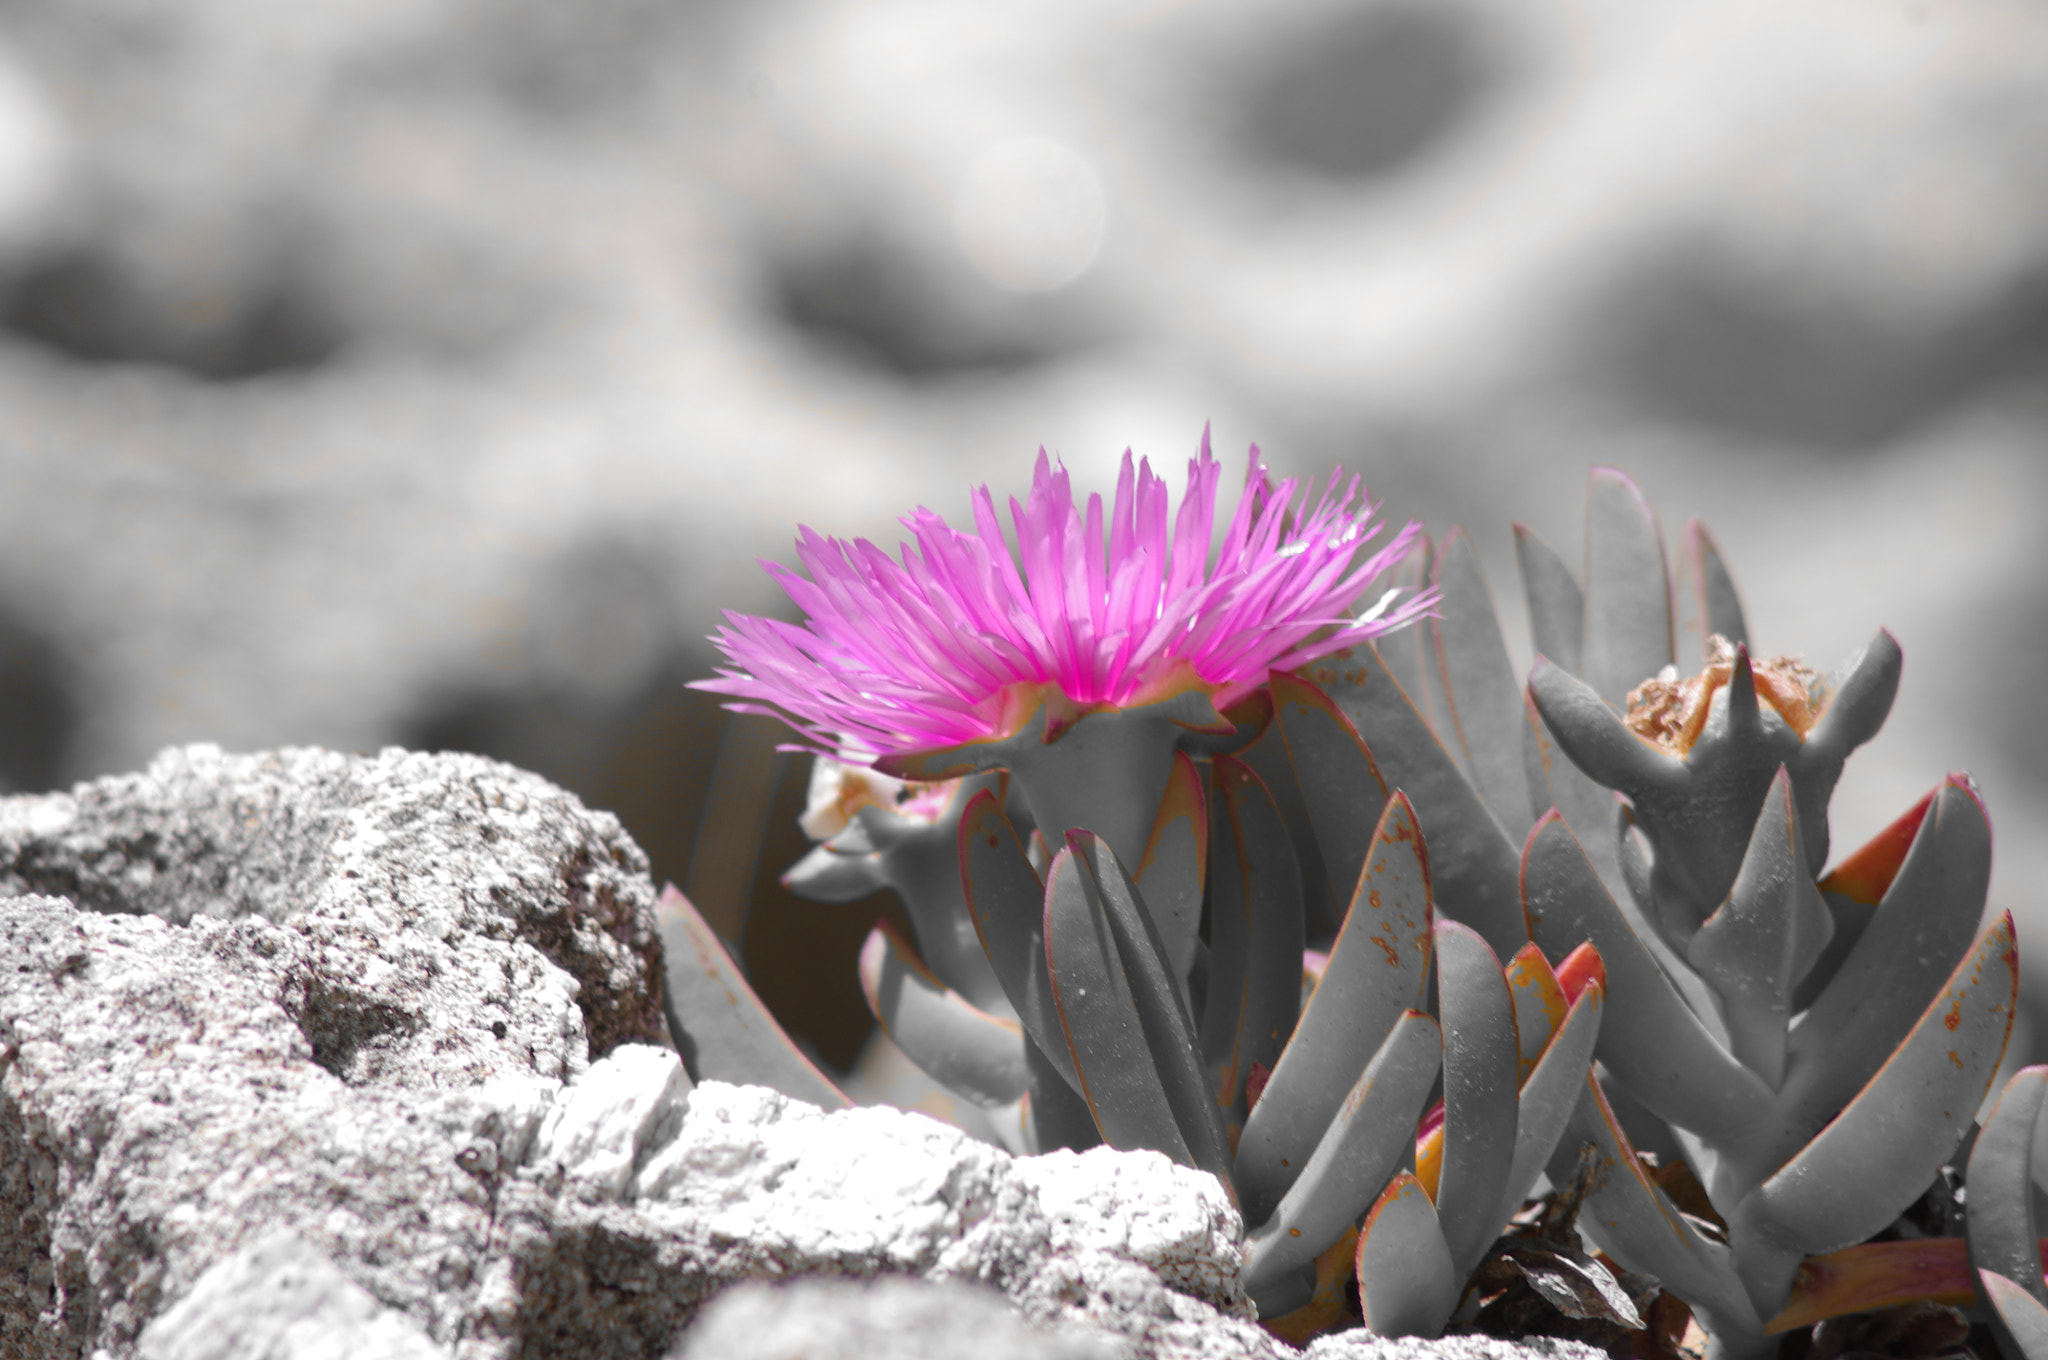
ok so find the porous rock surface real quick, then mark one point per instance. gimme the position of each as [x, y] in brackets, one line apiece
[899, 1318]
[304, 1054]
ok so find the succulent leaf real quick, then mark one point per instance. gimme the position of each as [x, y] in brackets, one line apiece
[1628, 591]
[1176, 863]
[1340, 781]
[1875, 1275]
[1873, 1158]
[1407, 1285]
[2026, 1321]
[1549, 1096]
[1378, 969]
[1866, 876]
[1127, 1025]
[1863, 690]
[1106, 1040]
[1556, 782]
[1481, 691]
[1255, 935]
[957, 1044]
[1592, 735]
[2001, 1230]
[1329, 1307]
[1267, 756]
[717, 1023]
[1055, 1116]
[828, 875]
[1007, 903]
[1481, 1064]
[1557, 604]
[1765, 936]
[1629, 1217]
[1923, 925]
[1712, 604]
[1410, 654]
[1360, 1149]
[1472, 862]
[1656, 1046]
[1540, 1005]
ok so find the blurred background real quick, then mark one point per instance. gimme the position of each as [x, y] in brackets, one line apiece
[432, 372]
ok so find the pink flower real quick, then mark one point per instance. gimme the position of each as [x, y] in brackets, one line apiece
[954, 644]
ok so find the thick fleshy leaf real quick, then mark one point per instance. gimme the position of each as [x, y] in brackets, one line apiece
[1267, 756]
[1483, 693]
[1866, 875]
[1055, 1116]
[1255, 935]
[1557, 604]
[1581, 969]
[1162, 1004]
[960, 1046]
[1711, 603]
[719, 1026]
[1588, 808]
[1589, 730]
[1765, 936]
[1472, 861]
[1654, 1043]
[1106, 1040]
[1007, 902]
[1329, 1307]
[1407, 1283]
[1550, 1094]
[1863, 689]
[1923, 925]
[1170, 877]
[1361, 1148]
[1340, 782]
[2001, 1229]
[1410, 654]
[1132, 1039]
[1628, 592]
[1480, 1069]
[827, 875]
[2026, 1321]
[1874, 1158]
[1632, 1220]
[1378, 969]
[1878, 1275]
[1540, 1005]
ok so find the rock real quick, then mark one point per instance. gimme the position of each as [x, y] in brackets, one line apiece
[452, 919]
[1362, 1345]
[267, 1003]
[251, 1072]
[902, 1319]
[280, 1299]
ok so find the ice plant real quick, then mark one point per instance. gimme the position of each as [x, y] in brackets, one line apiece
[958, 655]
[1217, 773]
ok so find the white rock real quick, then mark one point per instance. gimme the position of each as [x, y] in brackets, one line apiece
[281, 1299]
[900, 1319]
[1363, 1345]
[604, 1123]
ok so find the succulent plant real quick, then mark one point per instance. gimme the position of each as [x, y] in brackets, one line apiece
[1816, 1045]
[1199, 861]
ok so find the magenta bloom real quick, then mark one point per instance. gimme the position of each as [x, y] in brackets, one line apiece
[953, 643]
